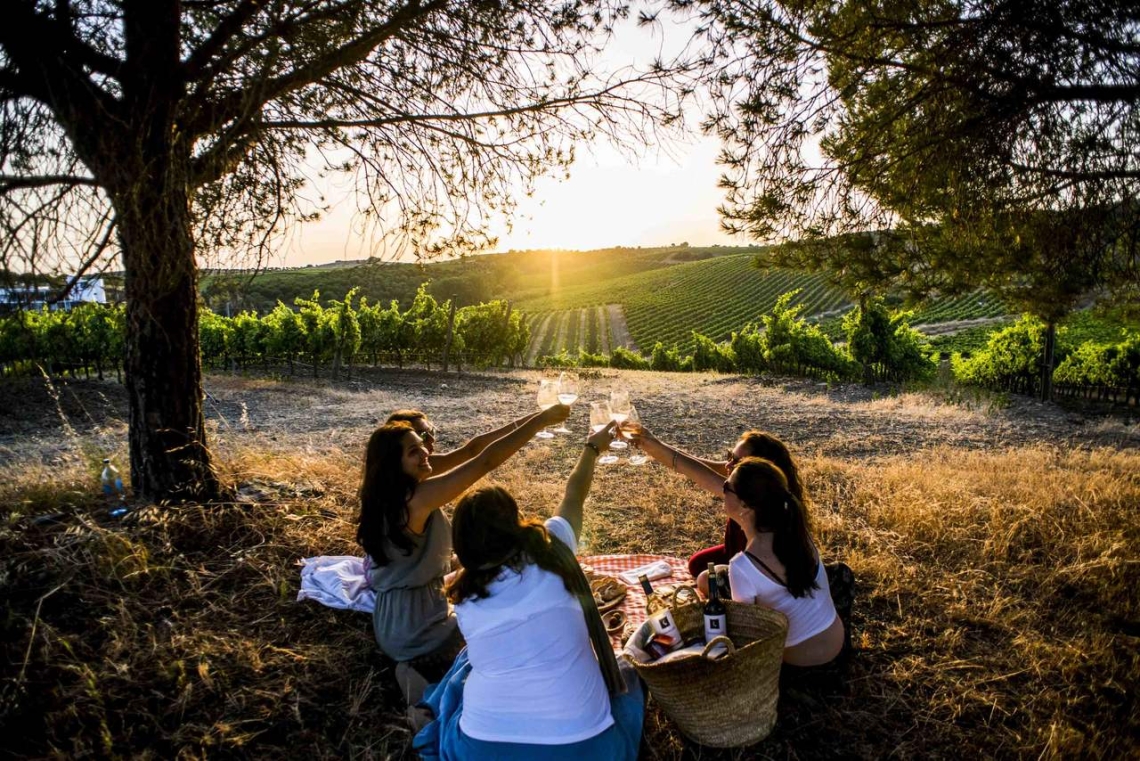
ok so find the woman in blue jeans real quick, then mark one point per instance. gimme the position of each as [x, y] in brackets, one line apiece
[538, 678]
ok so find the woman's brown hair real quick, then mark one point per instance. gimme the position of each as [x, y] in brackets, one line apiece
[762, 486]
[765, 445]
[488, 534]
[384, 494]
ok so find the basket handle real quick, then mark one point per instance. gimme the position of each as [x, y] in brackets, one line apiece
[674, 602]
[720, 639]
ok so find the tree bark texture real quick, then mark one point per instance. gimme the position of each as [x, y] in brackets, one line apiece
[169, 457]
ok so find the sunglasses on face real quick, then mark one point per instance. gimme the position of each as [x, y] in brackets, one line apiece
[727, 487]
[731, 459]
[428, 435]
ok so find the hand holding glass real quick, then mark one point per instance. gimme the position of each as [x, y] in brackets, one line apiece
[634, 422]
[599, 419]
[547, 398]
[567, 394]
[619, 410]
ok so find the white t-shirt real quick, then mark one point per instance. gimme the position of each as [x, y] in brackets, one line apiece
[534, 677]
[807, 615]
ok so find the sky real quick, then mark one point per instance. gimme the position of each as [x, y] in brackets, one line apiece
[608, 201]
[610, 198]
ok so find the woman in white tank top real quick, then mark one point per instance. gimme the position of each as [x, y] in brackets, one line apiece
[780, 566]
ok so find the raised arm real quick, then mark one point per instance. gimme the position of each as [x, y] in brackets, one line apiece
[578, 485]
[706, 474]
[441, 463]
[437, 491]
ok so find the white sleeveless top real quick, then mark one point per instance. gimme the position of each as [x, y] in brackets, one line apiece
[534, 676]
[807, 616]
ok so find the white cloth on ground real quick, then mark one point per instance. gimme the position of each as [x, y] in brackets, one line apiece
[658, 569]
[534, 677]
[338, 581]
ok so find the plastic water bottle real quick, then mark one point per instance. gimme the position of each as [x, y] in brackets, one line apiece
[113, 487]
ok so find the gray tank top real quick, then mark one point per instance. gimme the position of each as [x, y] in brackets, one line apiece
[412, 617]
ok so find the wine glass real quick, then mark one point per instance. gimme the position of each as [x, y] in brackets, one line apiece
[639, 458]
[547, 397]
[620, 406]
[567, 394]
[599, 419]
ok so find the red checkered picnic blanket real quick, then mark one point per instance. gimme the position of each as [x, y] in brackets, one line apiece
[634, 603]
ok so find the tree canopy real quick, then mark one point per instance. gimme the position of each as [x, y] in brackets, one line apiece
[155, 132]
[935, 146]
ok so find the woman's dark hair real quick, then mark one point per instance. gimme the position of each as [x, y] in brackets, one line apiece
[384, 494]
[488, 534]
[762, 486]
[405, 416]
[763, 444]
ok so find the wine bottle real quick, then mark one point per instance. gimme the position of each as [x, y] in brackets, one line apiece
[653, 601]
[660, 617]
[716, 621]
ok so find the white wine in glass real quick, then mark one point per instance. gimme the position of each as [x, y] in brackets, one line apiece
[638, 457]
[599, 419]
[547, 398]
[567, 394]
[620, 406]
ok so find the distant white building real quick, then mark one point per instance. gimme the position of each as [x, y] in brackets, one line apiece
[84, 290]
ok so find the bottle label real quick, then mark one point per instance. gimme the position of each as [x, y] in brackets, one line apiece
[661, 622]
[715, 626]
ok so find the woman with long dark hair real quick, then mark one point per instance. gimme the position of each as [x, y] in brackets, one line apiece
[408, 541]
[710, 474]
[780, 566]
[538, 678]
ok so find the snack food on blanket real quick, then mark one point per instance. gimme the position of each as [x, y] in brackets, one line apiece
[608, 591]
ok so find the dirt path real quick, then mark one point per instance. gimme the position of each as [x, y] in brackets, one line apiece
[957, 326]
[619, 331]
[537, 339]
[603, 334]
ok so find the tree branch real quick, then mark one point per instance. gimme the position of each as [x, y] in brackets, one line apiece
[12, 182]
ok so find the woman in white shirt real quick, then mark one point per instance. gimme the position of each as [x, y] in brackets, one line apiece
[780, 566]
[538, 678]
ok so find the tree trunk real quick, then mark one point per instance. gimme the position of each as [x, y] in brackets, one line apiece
[169, 456]
[1047, 361]
[149, 179]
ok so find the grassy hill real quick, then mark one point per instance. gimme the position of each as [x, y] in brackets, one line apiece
[664, 293]
[512, 275]
[713, 297]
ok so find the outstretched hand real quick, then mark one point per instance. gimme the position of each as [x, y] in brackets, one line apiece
[602, 437]
[555, 414]
[635, 433]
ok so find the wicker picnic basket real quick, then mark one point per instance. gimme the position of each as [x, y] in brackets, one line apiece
[727, 702]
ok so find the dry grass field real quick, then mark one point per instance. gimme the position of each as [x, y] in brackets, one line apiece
[995, 542]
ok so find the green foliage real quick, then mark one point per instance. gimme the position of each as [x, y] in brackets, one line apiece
[489, 332]
[247, 338]
[625, 359]
[788, 344]
[668, 360]
[285, 334]
[936, 124]
[1012, 359]
[344, 327]
[586, 359]
[709, 355]
[885, 345]
[1103, 368]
